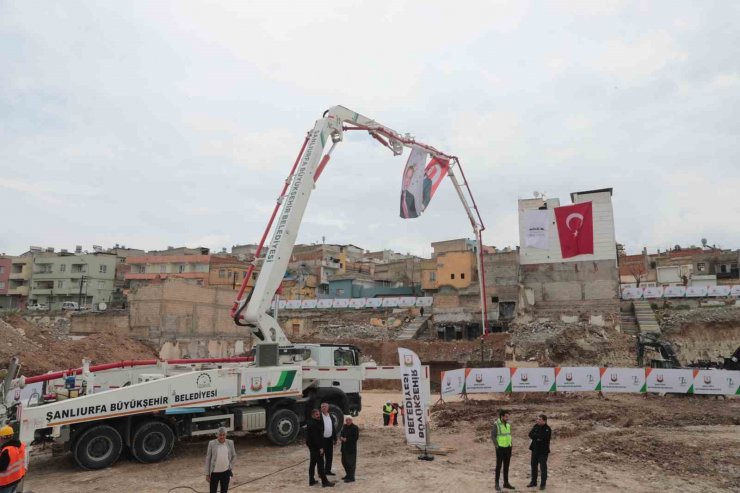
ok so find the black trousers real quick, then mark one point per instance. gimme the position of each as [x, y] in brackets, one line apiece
[386, 419]
[221, 478]
[349, 461]
[317, 462]
[541, 461]
[503, 457]
[328, 453]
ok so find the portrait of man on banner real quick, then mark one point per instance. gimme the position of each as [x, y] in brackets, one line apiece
[411, 186]
[434, 173]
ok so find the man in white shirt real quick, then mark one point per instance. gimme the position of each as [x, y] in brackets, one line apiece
[330, 438]
[219, 462]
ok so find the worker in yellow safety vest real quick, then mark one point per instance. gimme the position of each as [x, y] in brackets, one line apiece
[12, 461]
[387, 411]
[501, 436]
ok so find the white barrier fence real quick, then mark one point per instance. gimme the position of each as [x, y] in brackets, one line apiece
[590, 379]
[652, 292]
[355, 303]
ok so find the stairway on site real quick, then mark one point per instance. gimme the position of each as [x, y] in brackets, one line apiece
[645, 316]
[628, 321]
[414, 328]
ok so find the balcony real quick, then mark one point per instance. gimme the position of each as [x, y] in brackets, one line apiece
[18, 291]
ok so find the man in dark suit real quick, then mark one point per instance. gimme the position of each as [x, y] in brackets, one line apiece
[540, 447]
[350, 435]
[329, 437]
[408, 203]
[315, 443]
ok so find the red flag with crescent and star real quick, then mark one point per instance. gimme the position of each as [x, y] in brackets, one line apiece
[576, 229]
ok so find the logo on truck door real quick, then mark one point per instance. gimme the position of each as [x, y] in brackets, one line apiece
[203, 381]
[256, 384]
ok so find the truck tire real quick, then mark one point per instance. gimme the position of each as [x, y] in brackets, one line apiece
[152, 442]
[97, 447]
[337, 416]
[283, 427]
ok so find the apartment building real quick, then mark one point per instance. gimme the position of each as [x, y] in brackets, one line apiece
[196, 266]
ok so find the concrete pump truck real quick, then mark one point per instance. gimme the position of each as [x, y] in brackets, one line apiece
[97, 411]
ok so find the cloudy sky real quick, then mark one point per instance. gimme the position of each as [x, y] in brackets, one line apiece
[152, 123]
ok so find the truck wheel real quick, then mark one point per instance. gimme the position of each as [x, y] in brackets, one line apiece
[97, 447]
[337, 416]
[153, 441]
[283, 427]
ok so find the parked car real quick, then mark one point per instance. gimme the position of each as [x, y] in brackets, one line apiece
[40, 307]
[70, 305]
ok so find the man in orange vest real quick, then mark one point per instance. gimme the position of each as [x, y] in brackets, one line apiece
[12, 461]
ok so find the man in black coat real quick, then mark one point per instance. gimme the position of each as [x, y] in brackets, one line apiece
[350, 435]
[315, 443]
[540, 448]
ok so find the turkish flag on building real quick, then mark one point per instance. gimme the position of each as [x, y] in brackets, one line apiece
[576, 229]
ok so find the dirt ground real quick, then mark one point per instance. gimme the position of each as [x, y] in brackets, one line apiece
[624, 443]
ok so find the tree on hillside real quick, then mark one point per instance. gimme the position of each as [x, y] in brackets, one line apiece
[638, 272]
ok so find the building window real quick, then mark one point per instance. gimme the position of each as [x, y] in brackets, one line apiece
[432, 276]
[78, 268]
[462, 275]
[701, 267]
[494, 299]
[103, 269]
[63, 268]
[723, 269]
[181, 268]
[452, 276]
[2, 269]
[222, 273]
[141, 269]
[244, 275]
[101, 284]
[2, 283]
[162, 268]
[60, 283]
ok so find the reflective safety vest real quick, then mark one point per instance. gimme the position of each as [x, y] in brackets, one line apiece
[387, 408]
[16, 467]
[503, 434]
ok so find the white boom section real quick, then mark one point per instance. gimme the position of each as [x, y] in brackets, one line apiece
[302, 183]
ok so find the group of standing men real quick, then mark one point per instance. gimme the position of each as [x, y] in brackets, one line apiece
[540, 435]
[321, 437]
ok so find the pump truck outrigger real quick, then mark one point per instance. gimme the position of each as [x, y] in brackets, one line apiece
[145, 406]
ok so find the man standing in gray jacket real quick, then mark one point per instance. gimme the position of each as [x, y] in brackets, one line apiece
[219, 461]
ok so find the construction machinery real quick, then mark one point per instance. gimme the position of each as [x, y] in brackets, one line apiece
[145, 406]
[654, 352]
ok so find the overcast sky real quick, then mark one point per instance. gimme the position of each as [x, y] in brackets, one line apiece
[152, 123]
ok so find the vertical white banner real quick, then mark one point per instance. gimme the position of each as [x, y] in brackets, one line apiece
[415, 398]
[536, 229]
[577, 379]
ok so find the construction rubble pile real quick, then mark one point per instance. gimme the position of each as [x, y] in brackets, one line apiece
[673, 320]
[43, 344]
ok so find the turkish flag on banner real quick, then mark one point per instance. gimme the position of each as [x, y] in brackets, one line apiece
[576, 229]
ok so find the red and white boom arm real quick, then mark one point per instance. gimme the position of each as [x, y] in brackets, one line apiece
[252, 309]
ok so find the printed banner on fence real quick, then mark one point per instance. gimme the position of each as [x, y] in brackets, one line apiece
[720, 291]
[308, 304]
[482, 380]
[374, 302]
[652, 292]
[631, 293]
[406, 301]
[453, 382]
[622, 380]
[415, 397]
[357, 303]
[722, 382]
[533, 379]
[696, 291]
[424, 301]
[672, 381]
[325, 303]
[390, 302]
[293, 304]
[674, 292]
[735, 290]
[340, 303]
[577, 379]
